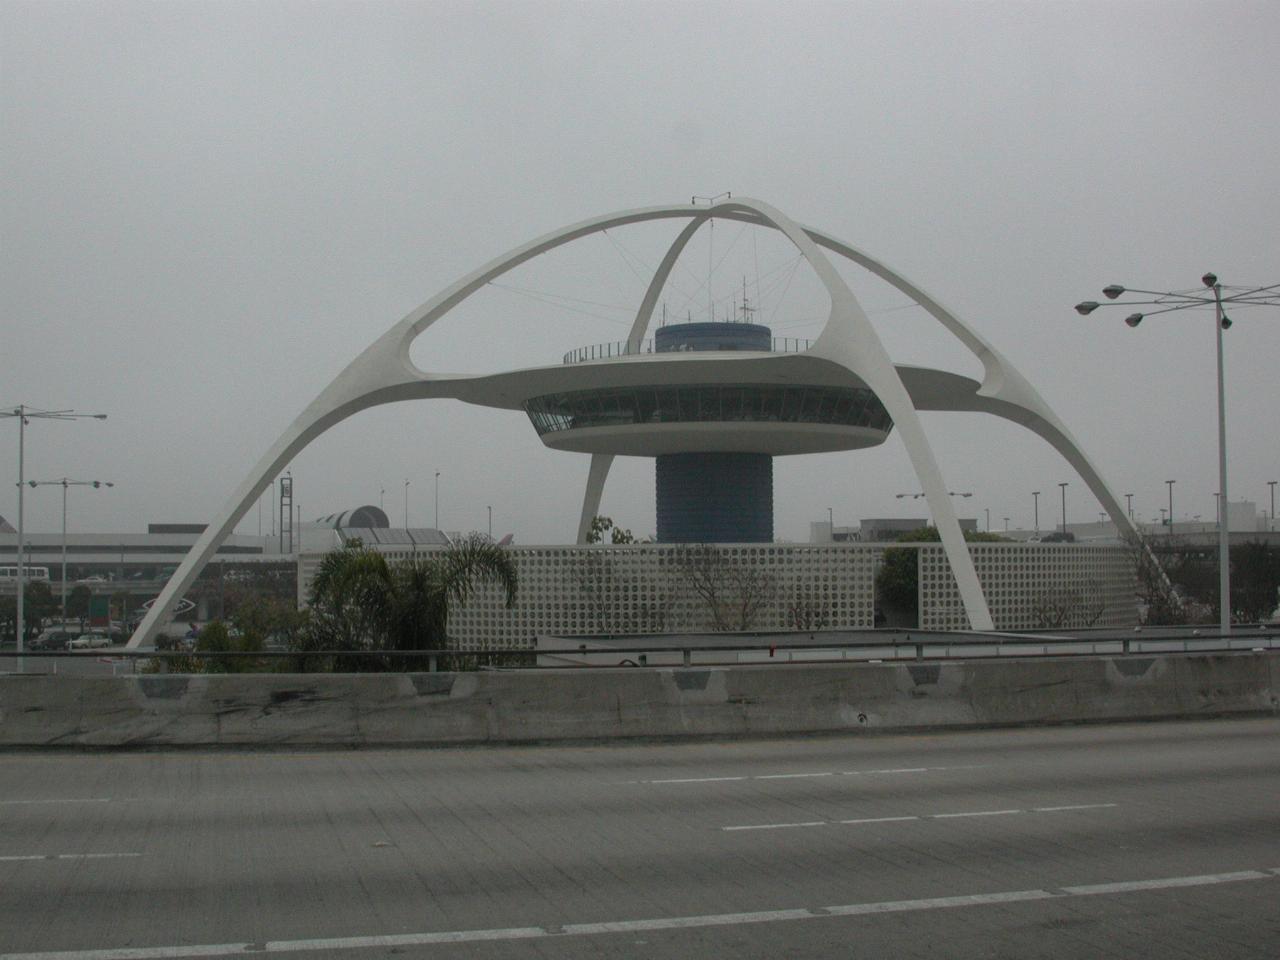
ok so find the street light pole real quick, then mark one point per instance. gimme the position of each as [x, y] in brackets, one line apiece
[1128, 499]
[1272, 485]
[1064, 509]
[64, 483]
[1264, 296]
[406, 504]
[437, 499]
[1224, 538]
[1170, 484]
[23, 413]
[1035, 496]
[490, 509]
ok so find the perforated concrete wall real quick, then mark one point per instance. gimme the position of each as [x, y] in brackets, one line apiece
[672, 588]
[1033, 585]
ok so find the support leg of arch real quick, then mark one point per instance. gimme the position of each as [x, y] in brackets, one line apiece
[851, 341]
[600, 464]
[340, 400]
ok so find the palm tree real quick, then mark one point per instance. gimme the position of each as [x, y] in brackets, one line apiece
[359, 601]
[350, 598]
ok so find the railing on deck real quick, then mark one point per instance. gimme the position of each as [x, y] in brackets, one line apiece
[621, 348]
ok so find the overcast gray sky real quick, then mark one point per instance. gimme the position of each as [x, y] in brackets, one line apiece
[210, 208]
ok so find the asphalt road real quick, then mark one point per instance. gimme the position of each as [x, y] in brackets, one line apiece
[1138, 840]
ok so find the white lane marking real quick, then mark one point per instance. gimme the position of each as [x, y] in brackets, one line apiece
[58, 800]
[398, 940]
[878, 820]
[632, 926]
[939, 903]
[1075, 806]
[799, 776]
[67, 856]
[1165, 883]
[674, 923]
[793, 776]
[926, 816]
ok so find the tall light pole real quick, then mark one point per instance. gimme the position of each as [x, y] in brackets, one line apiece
[1170, 484]
[1265, 296]
[988, 512]
[23, 414]
[406, 504]
[1064, 508]
[64, 483]
[1035, 496]
[1272, 485]
[831, 525]
[490, 509]
[1128, 500]
[437, 499]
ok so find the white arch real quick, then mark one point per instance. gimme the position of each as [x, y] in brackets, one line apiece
[384, 373]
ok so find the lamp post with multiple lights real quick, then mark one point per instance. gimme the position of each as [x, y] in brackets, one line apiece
[22, 413]
[1063, 486]
[1035, 498]
[1168, 301]
[64, 483]
[1169, 484]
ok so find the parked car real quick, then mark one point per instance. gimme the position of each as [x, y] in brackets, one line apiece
[53, 640]
[89, 641]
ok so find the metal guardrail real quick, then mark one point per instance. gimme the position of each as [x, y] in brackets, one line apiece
[919, 647]
[621, 348]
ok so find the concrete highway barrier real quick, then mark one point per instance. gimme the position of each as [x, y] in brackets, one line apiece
[588, 704]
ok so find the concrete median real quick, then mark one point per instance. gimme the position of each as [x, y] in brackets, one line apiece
[589, 704]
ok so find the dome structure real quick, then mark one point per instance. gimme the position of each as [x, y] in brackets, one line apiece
[692, 394]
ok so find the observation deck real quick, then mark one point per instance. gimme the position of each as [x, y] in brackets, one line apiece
[713, 432]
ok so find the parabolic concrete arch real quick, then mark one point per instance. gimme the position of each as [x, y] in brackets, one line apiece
[847, 347]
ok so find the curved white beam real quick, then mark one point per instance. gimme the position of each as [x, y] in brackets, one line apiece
[1001, 379]
[600, 463]
[1014, 397]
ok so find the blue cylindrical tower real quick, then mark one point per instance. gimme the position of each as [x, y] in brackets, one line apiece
[714, 497]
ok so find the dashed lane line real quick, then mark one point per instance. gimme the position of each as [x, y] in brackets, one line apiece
[928, 816]
[17, 803]
[66, 856]
[806, 775]
[431, 938]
